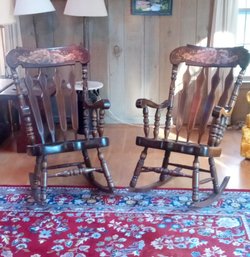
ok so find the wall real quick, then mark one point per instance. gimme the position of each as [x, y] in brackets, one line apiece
[129, 53]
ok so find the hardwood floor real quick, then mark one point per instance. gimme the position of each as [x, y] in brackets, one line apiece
[122, 155]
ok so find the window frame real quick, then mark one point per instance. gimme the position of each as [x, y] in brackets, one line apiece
[243, 42]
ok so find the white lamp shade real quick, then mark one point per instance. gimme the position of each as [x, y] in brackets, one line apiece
[85, 8]
[25, 7]
[6, 12]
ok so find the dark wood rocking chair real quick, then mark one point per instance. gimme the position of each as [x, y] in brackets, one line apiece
[192, 118]
[51, 73]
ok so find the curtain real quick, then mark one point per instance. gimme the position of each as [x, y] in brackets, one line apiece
[11, 39]
[2, 72]
[222, 31]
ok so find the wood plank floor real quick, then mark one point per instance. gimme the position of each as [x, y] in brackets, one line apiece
[122, 155]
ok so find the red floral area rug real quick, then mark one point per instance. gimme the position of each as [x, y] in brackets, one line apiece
[78, 222]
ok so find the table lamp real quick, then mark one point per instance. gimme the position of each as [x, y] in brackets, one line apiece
[6, 18]
[30, 7]
[26, 7]
[86, 8]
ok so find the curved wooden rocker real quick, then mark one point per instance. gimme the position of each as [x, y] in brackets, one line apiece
[199, 124]
[49, 111]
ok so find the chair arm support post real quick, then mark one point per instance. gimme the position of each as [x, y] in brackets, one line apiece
[145, 104]
[157, 123]
[146, 121]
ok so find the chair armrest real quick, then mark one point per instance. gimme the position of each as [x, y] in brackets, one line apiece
[219, 111]
[100, 104]
[142, 103]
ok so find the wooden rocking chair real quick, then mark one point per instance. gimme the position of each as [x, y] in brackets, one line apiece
[49, 111]
[203, 113]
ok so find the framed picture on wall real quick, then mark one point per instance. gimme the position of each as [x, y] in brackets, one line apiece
[151, 7]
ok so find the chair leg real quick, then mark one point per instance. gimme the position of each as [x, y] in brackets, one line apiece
[165, 162]
[35, 178]
[196, 177]
[44, 179]
[217, 189]
[90, 176]
[163, 179]
[88, 164]
[86, 158]
[138, 168]
[105, 169]
[213, 174]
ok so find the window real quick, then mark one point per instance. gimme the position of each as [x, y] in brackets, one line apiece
[10, 37]
[243, 27]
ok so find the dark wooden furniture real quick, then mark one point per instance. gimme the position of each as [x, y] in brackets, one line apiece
[5, 106]
[207, 111]
[9, 96]
[52, 125]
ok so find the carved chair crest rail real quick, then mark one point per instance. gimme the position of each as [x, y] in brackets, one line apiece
[45, 81]
[200, 103]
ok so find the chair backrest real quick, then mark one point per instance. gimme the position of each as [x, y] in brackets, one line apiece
[47, 90]
[209, 74]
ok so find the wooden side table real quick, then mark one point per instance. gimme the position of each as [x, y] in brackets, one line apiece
[5, 83]
[9, 94]
[6, 119]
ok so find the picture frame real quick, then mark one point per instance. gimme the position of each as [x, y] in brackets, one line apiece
[151, 7]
